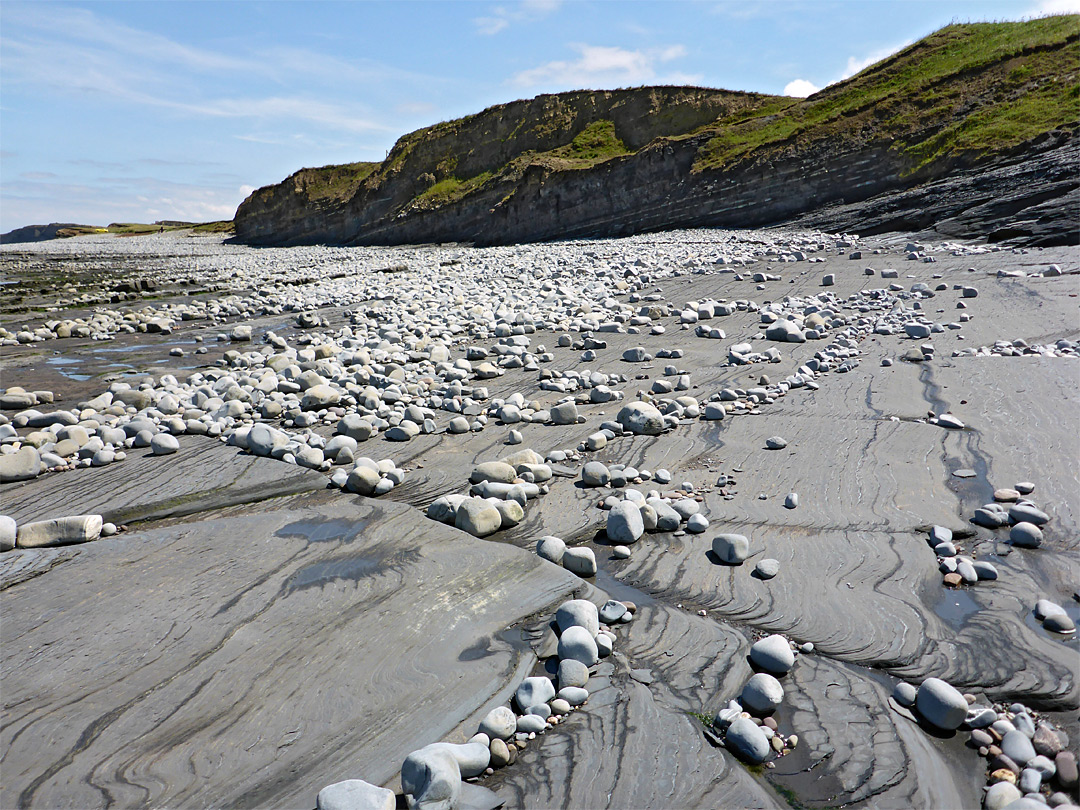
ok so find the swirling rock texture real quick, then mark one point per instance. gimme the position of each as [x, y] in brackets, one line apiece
[254, 636]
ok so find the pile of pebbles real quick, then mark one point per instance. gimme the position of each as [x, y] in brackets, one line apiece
[1020, 348]
[498, 494]
[746, 726]
[957, 568]
[1027, 756]
[1011, 508]
[1053, 617]
[444, 775]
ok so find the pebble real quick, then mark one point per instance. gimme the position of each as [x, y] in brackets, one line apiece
[577, 643]
[572, 673]
[574, 695]
[578, 613]
[59, 531]
[624, 523]
[499, 723]
[560, 706]
[621, 552]
[534, 691]
[767, 568]
[551, 548]
[163, 444]
[773, 654]
[791, 501]
[1026, 535]
[941, 704]
[762, 693]
[355, 794]
[776, 443]
[746, 740]
[580, 561]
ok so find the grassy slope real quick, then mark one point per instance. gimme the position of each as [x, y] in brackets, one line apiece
[970, 89]
[966, 88]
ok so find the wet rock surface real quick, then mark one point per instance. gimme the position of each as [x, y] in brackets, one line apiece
[232, 638]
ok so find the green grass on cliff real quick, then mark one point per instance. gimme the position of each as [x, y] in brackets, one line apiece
[974, 87]
[452, 188]
[594, 144]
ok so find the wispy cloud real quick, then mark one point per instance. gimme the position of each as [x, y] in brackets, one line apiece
[602, 66]
[502, 17]
[78, 53]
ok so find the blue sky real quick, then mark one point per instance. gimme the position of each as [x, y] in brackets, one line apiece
[138, 111]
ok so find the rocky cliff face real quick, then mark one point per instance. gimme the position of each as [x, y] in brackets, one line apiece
[988, 110]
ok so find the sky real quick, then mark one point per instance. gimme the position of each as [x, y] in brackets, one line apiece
[142, 111]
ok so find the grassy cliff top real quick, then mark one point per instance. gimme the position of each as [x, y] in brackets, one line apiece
[971, 87]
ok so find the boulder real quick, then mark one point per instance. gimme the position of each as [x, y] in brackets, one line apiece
[531, 723]
[318, 397]
[362, 480]
[163, 444]
[1000, 795]
[355, 427]
[595, 474]
[565, 413]
[573, 695]
[572, 673]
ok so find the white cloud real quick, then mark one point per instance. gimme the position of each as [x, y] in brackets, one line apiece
[800, 88]
[1044, 7]
[602, 66]
[856, 64]
[502, 17]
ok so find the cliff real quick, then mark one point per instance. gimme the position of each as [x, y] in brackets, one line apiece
[971, 115]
